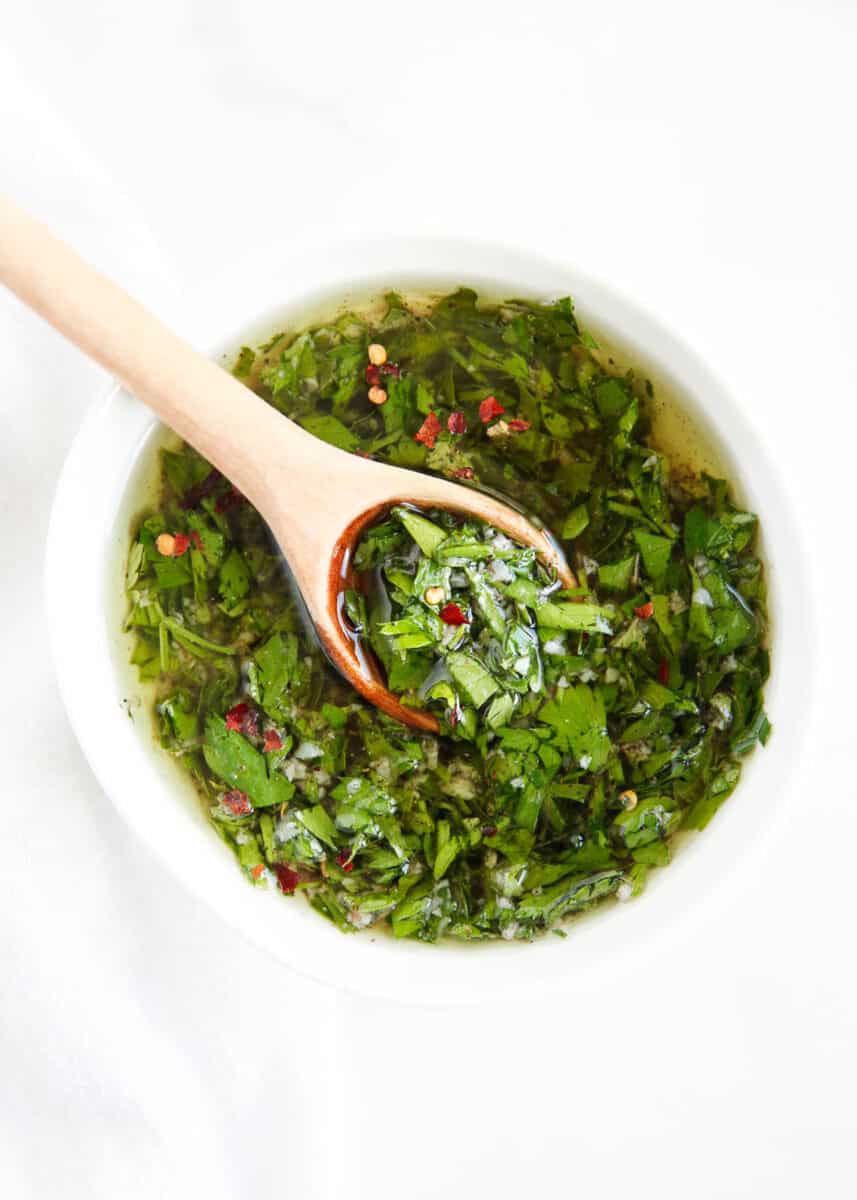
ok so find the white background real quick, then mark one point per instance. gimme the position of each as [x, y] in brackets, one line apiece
[700, 157]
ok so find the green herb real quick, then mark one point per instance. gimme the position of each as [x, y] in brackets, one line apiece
[461, 606]
[647, 679]
[578, 718]
[233, 759]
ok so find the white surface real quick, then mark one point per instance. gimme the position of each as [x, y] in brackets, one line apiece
[703, 162]
[99, 492]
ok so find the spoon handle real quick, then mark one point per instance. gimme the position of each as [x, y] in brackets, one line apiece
[226, 422]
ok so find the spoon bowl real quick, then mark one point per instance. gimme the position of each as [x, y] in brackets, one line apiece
[322, 561]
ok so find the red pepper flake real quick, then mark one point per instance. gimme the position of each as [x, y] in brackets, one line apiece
[244, 719]
[182, 543]
[428, 431]
[344, 860]
[287, 879]
[258, 870]
[518, 425]
[453, 717]
[389, 368]
[237, 803]
[463, 472]
[236, 716]
[664, 672]
[451, 614]
[372, 375]
[489, 830]
[645, 610]
[489, 409]
[273, 741]
[195, 538]
[456, 423]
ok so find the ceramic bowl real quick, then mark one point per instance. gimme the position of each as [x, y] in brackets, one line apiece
[100, 485]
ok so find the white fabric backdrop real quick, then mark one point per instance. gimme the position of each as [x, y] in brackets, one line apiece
[702, 160]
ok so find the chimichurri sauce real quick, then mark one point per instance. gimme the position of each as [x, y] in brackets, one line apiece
[580, 730]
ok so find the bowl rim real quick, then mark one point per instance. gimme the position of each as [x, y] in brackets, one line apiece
[604, 945]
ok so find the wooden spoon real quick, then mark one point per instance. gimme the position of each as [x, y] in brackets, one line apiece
[315, 498]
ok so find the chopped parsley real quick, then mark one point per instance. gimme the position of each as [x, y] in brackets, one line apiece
[580, 730]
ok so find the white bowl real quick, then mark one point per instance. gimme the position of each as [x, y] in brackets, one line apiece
[85, 611]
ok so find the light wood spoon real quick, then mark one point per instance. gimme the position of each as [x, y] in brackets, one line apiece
[315, 498]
